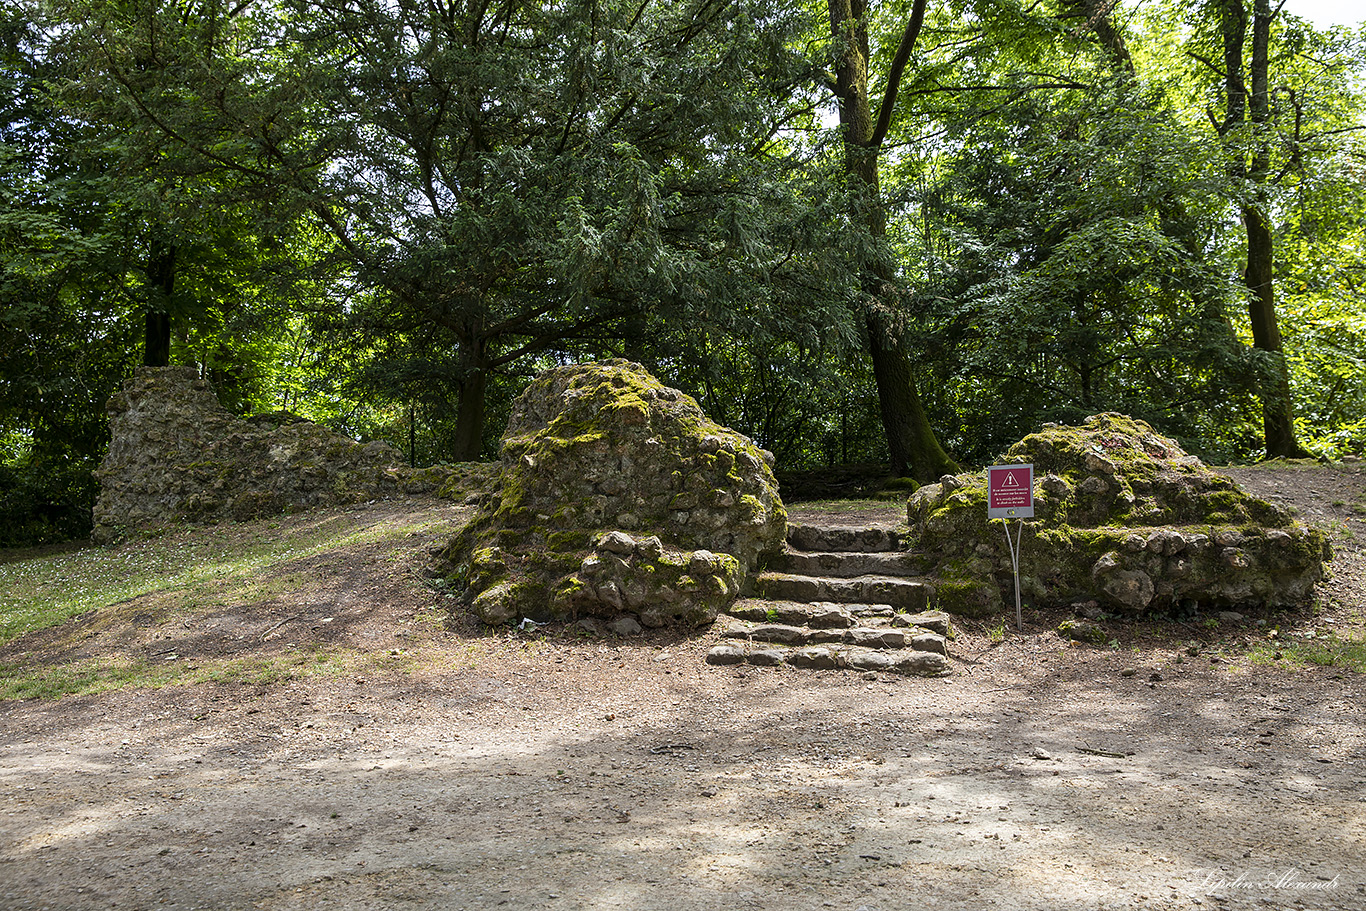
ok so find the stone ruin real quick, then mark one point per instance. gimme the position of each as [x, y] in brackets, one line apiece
[1123, 517]
[618, 498]
[176, 454]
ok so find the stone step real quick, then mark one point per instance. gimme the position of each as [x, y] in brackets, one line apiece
[844, 564]
[784, 633]
[834, 657]
[829, 615]
[899, 593]
[822, 615]
[844, 538]
[936, 621]
[868, 637]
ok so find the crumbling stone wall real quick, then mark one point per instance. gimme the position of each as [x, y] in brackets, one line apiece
[618, 497]
[176, 454]
[1123, 516]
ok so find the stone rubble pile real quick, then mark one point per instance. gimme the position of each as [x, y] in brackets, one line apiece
[1123, 516]
[617, 497]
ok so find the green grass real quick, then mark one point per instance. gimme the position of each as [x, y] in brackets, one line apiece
[105, 674]
[1347, 652]
[187, 571]
[42, 591]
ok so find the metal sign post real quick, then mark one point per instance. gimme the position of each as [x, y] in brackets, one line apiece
[1010, 495]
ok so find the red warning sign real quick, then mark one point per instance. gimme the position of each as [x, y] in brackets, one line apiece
[1010, 492]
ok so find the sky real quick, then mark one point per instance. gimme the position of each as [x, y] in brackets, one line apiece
[1328, 12]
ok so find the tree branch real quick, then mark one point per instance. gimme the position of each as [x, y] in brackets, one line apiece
[543, 341]
[903, 54]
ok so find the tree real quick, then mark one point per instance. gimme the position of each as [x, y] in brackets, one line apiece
[982, 109]
[63, 340]
[504, 179]
[911, 441]
[205, 249]
[1321, 263]
[95, 249]
[968, 38]
[1282, 99]
[1250, 160]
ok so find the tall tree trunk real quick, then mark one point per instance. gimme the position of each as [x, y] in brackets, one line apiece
[1253, 103]
[412, 434]
[1277, 409]
[1277, 406]
[915, 449]
[911, 441]
[469, 415]
[156, 347]
[161, 259]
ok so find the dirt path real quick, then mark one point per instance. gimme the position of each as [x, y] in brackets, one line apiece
[580, 774]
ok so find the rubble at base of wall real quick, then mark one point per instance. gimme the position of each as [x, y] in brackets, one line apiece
[1123, 517]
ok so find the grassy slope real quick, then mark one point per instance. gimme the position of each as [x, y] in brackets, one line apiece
[171, 579]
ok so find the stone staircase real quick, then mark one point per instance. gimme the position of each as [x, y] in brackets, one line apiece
[838, 597]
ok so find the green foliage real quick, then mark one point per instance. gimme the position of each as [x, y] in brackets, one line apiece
[388, 216]
[62, 336]
[1283, 105]
[1070, 228]
[1328, 371]
[810, 405]
[1069, 274]
[95, 204]
[43, 501]
[498, 183]
[1323, 255]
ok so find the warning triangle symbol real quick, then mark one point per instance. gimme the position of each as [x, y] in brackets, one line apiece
[1010, 480]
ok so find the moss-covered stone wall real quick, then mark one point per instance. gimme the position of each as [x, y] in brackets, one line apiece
[177, 455]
